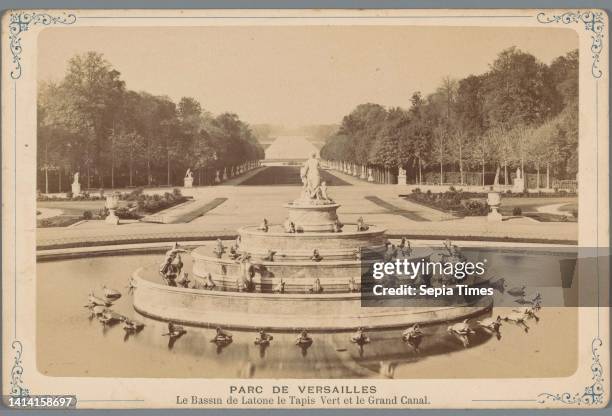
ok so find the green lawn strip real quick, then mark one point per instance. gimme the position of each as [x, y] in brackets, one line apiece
[395, 210]
[58, 221]
[531, 204]
[288, 176]
[192, 215]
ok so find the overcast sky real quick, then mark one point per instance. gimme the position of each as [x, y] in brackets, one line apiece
[294, 75]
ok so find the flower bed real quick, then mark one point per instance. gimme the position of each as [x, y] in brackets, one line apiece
[140, 204]
[454, 202]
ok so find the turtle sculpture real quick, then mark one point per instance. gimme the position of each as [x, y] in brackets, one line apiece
[413, 336]
[233, 253]
[529, 312]
[518, 318]
[111, 294]
[462, 331]
[221, 337]
[132, 326]
[97, 301]
[337, 226]
[269, 256]
[361, 225]
[303, 339]
[405, 246]
[491, 325]
[110, 317]
[95, 310]
[523, 301]
[263, 338]
[209, 284]
[174, 331]
[316, 256]
[359, 337]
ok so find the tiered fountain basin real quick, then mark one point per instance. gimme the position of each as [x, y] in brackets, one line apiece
[312, 218]
[284, 312]
[295, 267]
[320, 291]
[255, 241]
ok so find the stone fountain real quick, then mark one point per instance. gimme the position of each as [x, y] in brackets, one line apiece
[304, 273]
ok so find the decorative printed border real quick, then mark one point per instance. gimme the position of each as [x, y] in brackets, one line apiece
[593, 394]
[593, 22]
[20, 22]
[17, 387]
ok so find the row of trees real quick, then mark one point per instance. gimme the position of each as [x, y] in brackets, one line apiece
[89, 122]
[521, 112]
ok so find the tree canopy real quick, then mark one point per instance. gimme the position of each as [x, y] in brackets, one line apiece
[89, 122]
[521, 112]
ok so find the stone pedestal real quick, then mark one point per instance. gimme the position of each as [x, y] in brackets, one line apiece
[76, 189]
[313, 218]
[112, 202]
[494, 201]
[217, 178]
[370, 177]
[188, 182]
[519, 185]
[401, 180]
[112, 218]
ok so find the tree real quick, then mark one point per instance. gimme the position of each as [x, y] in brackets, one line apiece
[92, 92]
[516, 90]
[129, 145]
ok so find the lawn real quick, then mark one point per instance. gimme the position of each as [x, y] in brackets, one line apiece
[531, 204]
[76, 207]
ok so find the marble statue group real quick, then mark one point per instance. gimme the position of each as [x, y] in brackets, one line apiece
[314, 190]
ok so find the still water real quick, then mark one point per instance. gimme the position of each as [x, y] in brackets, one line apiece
[70, 343]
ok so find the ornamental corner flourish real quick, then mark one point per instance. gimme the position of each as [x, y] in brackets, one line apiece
[594, 22]
[20, 22]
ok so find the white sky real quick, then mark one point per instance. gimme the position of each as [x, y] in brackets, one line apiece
[294, 75]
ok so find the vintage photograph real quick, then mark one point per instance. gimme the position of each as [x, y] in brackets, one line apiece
[229, 199]
[289, 161]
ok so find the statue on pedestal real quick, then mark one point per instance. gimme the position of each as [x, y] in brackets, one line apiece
[314, 191]
[188, 180]
[519, 182]
[76, 186]
[401, 176]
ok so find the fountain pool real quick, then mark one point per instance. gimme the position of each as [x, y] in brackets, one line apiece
[71, 344]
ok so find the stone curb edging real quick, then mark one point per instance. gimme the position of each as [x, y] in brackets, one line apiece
[76, 242]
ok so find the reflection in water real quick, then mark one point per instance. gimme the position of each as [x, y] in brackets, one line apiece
[73, 345]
